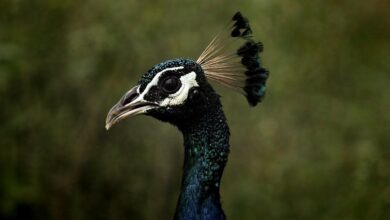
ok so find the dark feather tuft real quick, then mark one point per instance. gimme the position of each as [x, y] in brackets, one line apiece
[249, 51]
[241, 26]
[237, 16]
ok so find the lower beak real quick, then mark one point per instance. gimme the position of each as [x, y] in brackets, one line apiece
[131, 104]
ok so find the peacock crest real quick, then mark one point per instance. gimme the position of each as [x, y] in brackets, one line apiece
[239, 69]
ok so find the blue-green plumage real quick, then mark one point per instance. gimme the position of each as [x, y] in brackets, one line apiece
[206, 145]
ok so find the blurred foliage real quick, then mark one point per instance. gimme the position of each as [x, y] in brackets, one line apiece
[317, 148]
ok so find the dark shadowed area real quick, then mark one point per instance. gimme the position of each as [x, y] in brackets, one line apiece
[316, 148]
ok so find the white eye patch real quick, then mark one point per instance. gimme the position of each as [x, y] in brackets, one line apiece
[187, 82]
[154, 82]
[156, 78]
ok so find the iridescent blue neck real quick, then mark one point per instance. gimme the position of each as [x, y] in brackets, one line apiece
[206, 142]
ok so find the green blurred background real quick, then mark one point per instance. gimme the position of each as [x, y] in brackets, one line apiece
[317, 148]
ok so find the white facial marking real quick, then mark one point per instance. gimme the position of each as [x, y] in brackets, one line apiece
[187, 82]
[154, 82]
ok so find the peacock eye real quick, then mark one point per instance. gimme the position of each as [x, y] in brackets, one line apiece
[170, 84]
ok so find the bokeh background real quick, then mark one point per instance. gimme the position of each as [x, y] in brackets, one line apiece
[317, 148]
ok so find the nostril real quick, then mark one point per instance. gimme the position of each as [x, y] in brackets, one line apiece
[130, 97]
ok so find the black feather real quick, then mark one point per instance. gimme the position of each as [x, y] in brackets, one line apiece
[237, 16]
[235, 33]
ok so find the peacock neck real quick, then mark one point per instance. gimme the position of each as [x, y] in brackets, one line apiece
[206, 142]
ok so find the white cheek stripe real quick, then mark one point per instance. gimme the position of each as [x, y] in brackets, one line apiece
[188, 81]
[154, 82]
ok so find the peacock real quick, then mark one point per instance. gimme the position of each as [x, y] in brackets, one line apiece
[178, 91]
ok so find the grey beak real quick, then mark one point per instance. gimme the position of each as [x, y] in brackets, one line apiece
[131, 104]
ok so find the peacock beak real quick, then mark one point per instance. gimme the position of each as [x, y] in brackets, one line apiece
[131, 104]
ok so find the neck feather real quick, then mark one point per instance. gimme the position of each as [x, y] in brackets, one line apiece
[206, 142]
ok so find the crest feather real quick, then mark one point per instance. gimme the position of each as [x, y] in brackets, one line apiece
[232, 59]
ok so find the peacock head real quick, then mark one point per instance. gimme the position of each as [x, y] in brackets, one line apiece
[178, 90]
[170, 91]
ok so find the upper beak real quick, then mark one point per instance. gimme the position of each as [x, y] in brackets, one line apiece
[130, 104]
